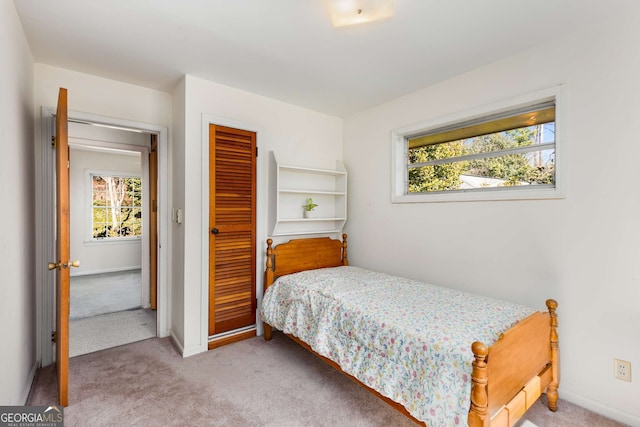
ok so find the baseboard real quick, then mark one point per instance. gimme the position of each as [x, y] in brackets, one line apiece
[176, 342]
[599, 408]
[191, 351]
[186, 352]
[27, 388]
[105, 270]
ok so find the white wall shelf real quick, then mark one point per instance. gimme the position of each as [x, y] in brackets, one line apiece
[294, 185]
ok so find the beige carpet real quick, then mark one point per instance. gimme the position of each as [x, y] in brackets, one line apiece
[110, 330]
[95, 294]
[250, 383]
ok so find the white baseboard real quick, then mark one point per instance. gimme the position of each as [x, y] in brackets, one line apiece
[29, 383]
[191, 351]
[177, 343]
[599, 408]
[188, 351]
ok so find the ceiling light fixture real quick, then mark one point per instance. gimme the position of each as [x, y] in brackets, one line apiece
[351, 12]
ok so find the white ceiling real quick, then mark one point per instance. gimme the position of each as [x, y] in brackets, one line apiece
[288, 50]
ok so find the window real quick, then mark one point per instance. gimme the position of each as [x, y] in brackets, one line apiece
[510, 153]
[116, 210]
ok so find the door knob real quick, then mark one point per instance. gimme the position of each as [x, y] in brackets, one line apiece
[59, 265]
[214, 231]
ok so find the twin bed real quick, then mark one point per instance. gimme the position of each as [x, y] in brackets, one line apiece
[440, 356]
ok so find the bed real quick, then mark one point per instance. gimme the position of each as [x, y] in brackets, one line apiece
[444, 380]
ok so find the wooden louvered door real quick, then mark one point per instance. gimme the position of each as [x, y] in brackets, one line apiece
[232, 238]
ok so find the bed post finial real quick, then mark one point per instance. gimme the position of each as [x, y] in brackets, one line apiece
[268, 273]
[552, 388]
[268, 280]
[345, 259]
[269, 253]
[478, 414]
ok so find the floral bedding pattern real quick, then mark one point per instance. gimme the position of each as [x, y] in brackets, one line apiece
[408, 340]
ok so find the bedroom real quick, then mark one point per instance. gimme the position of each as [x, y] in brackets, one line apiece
[581, 250]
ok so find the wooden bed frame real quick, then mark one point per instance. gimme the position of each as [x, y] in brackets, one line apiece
[507, 377]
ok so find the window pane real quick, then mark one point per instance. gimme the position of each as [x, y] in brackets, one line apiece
[537, 167]
[126, 215]
[486, 161]
[117, 203]
[99, 215]
[100, 230]
[533, 168]
[438, 177]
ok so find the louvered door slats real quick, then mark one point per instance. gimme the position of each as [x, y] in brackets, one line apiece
[232, 212]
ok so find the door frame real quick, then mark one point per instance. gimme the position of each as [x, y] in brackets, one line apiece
[261, 203]
[45, 225]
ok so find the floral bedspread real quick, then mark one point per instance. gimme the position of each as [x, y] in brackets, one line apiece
[408, 340]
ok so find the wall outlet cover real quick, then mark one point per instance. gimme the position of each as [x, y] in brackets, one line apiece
[622, 369]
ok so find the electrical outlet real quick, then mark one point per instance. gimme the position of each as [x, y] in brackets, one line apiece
[622, 369]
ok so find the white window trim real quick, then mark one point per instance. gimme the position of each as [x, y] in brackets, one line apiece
[399, 153]
[89, 239]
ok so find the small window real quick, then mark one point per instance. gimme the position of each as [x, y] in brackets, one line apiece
[116, 210]
[509, 154]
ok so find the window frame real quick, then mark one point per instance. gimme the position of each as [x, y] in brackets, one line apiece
[400, 153]
[89, 239]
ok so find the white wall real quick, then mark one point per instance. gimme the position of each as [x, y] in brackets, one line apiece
[101, 256]
[583, 250]
[105, 97]
[296, 135]
[17, 239]
[177, 167]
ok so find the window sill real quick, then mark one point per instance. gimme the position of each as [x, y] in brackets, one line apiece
[113, 241]
[481, 196]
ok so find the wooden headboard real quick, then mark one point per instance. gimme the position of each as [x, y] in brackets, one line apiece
[303, 254]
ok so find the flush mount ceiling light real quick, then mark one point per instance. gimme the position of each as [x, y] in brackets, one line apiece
[351, 12]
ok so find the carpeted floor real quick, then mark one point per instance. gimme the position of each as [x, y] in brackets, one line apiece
[249, 383]
[110, 330]
[95, 294]
[105, 311]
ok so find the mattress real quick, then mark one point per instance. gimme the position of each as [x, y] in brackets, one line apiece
[408, 340]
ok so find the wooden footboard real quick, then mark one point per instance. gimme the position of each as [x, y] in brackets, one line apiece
[507, 377]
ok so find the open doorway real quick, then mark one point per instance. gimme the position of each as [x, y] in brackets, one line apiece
[156, 136]
[110, 302]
